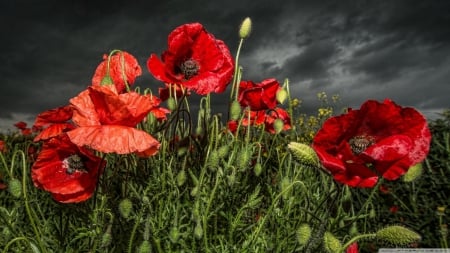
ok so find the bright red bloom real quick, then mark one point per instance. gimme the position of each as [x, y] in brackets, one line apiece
[53, 122]
[160, 113]
[259, 96]
[123, 70]
[251, 118]
[353, 248]
[277, 113]
[195, 59]
[21, 125]
[393, 209]
[2, 146]
[106, 121]
[378, 140]
[68, 172]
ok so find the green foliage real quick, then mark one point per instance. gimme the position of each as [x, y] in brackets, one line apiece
[210, 199]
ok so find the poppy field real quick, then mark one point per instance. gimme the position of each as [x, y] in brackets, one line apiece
[124, 169]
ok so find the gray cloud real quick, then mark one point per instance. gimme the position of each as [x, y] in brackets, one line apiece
[358, 49]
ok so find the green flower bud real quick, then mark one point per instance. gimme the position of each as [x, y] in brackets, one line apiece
[125, 208]
[331, 243]
[223, 151]
[171, 103]
[107, 237]
[246, 28]
[106, 80]
[257, 169]
[213, 159]
[285, 183]
[353, 229]
[15, 187]
[304, 154]
[174, 234]
[144, 247]
[243, 159]
[281, 95]
[303, 234]
[372, 213]
[397, 235]
[413, 173]
[194, 191]
[235, 110]
[198, 231]
[278, 125]
[181, 178]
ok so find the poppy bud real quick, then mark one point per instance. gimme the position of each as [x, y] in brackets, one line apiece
[397, 235]
[303, 234]
[106, 80]
[181, 178]
[257, 169]
[144, 247]
[194, 191]
[304, 154]
[331, 243]
[223, 151]
[281, 95]
[15, 187]
[198, 231]
[107, 237]
[353, 229]
[243, 159]
[278, 125]
[213, 159]
[171, 103]
[235, 110]
[125, 208]
[174, 234]
[246, 28]
[413, 173]
[285, 183]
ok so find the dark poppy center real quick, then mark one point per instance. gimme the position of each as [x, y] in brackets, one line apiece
[189, 68]
[73, 163]
[359, 143]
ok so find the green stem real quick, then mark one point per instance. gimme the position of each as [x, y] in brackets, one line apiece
[356, 238]
[27, 204]
[235, 85]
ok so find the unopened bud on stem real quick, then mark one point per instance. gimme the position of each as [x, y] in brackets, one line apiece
[246, 28]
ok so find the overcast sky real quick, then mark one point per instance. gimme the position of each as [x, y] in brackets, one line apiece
[357, 49]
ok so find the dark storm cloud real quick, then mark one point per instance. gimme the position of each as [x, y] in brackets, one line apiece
[358, 49]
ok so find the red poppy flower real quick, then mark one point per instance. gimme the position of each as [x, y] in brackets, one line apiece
[68, 172]
[251, 118]
[353, 248]
[378, 140]
[273, 115]
[259, 96]
[393, 209]
[2, 146]
[160, 113]
[195, 59]
[21, 125]
[123, 70]
[106, 121]
[53, 122]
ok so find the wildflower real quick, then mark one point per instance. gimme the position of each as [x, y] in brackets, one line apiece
[68, 172]
[378, 140]
[123, 70]
[3, 148]
[53, 122]
[280, 115]
[195, 59]
[106, 121]
[353, 248]
[259, 96]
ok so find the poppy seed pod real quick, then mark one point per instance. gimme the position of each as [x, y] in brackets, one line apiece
[397, 235]
[246, 28]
